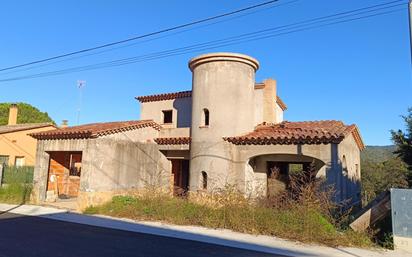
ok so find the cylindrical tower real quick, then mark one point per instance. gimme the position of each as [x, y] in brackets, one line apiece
[222, 105]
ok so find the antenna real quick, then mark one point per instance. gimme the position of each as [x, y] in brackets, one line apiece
[80, 85]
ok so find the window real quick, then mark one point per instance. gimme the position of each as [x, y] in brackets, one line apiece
[205, 117]
[4, 160]
[75, 165]
[19, 161]
[167, 116]
[204, 180]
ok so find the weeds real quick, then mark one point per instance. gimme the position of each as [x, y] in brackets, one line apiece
[301, 213]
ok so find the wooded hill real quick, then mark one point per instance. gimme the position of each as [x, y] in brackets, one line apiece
[378, 153]
[381, 170]
[27, 114]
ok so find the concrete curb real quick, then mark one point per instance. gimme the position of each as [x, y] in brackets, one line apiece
[223, 237]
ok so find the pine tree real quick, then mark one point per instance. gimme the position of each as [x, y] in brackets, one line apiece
[403, 141]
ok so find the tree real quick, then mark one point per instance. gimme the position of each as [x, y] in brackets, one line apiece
[403, 141]
[378, 177]
[27, 114]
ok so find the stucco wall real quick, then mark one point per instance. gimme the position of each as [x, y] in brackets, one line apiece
[251, 178]
[107, 166]
[224, 84]
[141, 135]
[20, 144]
[258, 101]
[351, 170]
[182, 111]
[175, 132]
[279, 114]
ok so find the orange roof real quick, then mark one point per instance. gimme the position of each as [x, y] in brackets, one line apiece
[163, 97]
[95, 130]
[182, 94]
[173, 140]
[305, 132]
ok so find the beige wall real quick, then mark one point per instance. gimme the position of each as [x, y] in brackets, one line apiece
[279, 114]
[174, 132]
[108, 167]
[223, 83]
[181, 107]
[146, 134]
[266, 107]
[20, 144]
[349, 157]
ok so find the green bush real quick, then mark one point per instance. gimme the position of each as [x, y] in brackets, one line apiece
[15, 193]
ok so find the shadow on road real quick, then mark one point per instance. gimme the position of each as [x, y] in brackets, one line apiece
[71, 234]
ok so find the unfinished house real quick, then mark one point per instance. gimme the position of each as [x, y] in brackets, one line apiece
[228, 130]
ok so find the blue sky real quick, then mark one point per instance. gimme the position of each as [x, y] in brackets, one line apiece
[358, 72]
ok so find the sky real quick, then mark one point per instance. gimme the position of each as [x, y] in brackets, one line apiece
[358, 72]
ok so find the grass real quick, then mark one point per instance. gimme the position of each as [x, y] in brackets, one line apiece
[301, 222]
[17, 184]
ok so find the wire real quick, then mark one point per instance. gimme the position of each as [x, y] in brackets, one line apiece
[145, 35]
[248, 37]
[145, 41]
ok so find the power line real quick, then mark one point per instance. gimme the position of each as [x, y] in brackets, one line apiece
[145, 35]
[147, 40]
[342, 17]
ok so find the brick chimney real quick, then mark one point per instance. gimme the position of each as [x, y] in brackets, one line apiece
[64, 124]
[13, 114]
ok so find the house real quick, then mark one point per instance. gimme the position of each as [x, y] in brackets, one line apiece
[228, 130]
[16, 146]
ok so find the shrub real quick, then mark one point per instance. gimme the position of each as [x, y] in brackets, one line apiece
[15, 193]
[297, 222]
[303, 212]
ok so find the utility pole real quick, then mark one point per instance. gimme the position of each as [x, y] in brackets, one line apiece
[80, 85]
[410, 27]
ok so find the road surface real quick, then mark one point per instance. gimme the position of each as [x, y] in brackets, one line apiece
[28, 236]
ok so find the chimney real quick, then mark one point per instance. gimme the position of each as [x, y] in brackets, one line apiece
[269, 101]
[13, 114]
[64, 124]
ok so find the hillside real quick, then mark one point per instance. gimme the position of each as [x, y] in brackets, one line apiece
[27, 114]
[376, 154]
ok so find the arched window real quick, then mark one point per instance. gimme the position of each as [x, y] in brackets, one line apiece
[204, 180]
[205, 117]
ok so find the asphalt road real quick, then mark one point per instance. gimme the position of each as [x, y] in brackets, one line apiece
[26, 236]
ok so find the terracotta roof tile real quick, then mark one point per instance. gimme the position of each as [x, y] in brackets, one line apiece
[183, 94]
[95, 130]
[306, 132]
[25, 126]
[163, 97]
[173, 140]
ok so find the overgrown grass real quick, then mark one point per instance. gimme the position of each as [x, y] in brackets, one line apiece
[303, 223]
[17, 184]
[303, 212]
